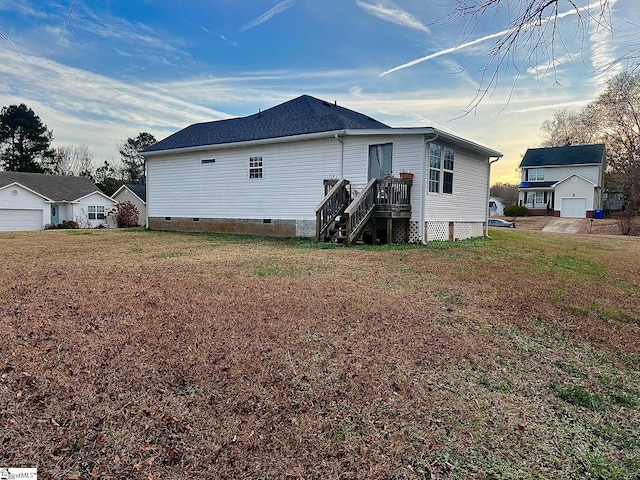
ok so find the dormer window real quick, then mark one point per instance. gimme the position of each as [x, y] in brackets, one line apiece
[535, 174]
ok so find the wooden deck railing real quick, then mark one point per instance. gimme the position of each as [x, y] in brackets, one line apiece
[382, 197]
[393, 191]
[331, 206]
[359, 211]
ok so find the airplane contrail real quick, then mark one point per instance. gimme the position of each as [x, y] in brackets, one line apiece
[482, 39]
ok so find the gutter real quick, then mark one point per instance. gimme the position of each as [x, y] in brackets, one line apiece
[340, 139]
[333, 134]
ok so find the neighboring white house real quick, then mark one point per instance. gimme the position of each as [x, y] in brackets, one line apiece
[496, 207]
[264, 174]
[563, 181]
[30, 201]
[137, 195]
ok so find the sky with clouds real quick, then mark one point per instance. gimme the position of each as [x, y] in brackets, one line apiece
[100, 71]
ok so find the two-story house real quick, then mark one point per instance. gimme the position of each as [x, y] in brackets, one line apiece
[563, 181]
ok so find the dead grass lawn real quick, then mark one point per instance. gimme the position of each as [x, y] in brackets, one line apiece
[149, 355]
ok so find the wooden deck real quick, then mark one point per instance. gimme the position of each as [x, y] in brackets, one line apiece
[343, 215]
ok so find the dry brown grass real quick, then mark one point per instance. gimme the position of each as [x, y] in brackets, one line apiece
[160, 355]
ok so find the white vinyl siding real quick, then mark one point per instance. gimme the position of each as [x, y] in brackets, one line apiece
[557, 174]
[576, 187]
[467, 203]
[82, 212]
[17, 198]
[408, 155]
[179, 186]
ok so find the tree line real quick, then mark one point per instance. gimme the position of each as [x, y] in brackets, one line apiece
[25, 146]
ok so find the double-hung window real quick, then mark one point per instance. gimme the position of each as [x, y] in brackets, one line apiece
[441, 161]
[535, 174]
[255, 167]
[96, 212]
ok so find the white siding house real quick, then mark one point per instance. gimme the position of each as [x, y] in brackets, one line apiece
[264, 174]
[563, 181]
[31, 201]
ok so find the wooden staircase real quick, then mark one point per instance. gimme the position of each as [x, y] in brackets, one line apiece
[343, 214]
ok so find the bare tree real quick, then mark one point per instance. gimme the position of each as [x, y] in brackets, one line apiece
[619, 110]
[73, 160]
[507, 192]
[532, 37]
[570, 127]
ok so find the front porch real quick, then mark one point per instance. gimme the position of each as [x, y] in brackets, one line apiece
[373, 213]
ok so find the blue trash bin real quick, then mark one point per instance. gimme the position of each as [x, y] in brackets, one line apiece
[598, 213]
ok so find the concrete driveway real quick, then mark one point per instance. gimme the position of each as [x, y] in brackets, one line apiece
[563, 225]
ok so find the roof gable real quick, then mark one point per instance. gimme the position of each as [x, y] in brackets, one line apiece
[302, 115]
[592, 154]
[576, 177]
[139, 191]
[53, 187]
[26, 189]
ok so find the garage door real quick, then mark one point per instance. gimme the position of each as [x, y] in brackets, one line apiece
[15, 220]
[574, 208]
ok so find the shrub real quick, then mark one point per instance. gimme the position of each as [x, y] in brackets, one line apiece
[126, 215]
[66, 224]
[628, 224]
[516, 211]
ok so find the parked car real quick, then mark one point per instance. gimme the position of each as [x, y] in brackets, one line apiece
[497, 222]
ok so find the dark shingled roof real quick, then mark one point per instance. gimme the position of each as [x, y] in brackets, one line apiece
[139, 190]
[54, 187]
[299, 116]
[561, 156]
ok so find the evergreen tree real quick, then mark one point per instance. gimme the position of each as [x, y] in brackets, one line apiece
[133, 162]
[25, 142]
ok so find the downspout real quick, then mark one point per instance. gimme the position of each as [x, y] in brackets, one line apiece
[146, 193]
[486, 203]
[339, 138]
[423, 189]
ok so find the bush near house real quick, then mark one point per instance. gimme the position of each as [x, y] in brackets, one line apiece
[64, 225]
[126, 215]
[516, 211]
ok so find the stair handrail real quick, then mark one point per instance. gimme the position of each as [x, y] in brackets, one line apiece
[332, 205]
[359, 211]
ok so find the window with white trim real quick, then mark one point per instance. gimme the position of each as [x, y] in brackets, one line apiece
[96, 212]
[255, 167]
[535, 174]
[441, 161]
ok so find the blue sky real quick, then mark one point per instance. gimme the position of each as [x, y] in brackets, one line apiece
[99, 71]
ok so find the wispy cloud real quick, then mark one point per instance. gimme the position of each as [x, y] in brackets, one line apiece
[393, 14]
[93, 109]
[111, 27]
[502, 33]
[603, 56]
[22, 7]
[228, 41]
[269, 14]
